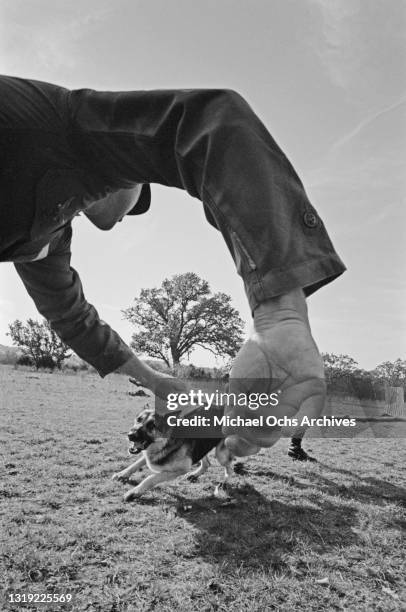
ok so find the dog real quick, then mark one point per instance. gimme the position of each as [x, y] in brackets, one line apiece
[169, 457]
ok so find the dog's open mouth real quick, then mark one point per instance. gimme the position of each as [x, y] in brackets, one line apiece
[137, 447]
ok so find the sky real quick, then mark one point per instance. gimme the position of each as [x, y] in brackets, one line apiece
[328, 79]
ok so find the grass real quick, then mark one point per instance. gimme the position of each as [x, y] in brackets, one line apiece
[325, 536]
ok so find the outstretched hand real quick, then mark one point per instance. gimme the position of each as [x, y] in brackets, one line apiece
[142, 375]
[163, 385]
[280, 357]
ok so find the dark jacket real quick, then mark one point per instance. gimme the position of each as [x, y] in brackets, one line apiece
[62, 150]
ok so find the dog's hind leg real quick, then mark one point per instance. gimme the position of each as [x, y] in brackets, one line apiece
[224, 457]
[124, 475]
[203, 467]
[150, 482]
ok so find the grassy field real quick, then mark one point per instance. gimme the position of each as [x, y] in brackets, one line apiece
[325, 536]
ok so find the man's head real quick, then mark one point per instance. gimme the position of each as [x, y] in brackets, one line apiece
[105, 213]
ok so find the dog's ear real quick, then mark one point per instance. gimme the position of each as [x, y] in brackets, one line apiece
[148, 408]
[145, 408]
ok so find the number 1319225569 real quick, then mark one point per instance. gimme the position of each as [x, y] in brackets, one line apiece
[40, 597]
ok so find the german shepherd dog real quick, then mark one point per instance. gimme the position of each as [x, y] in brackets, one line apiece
[168, 457]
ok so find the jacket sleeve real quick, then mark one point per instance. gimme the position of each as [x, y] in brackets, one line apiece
[57, 292]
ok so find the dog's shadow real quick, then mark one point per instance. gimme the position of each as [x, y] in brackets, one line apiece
[257, 533]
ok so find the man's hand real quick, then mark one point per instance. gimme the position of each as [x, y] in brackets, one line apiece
[160, 384]
[280, 357]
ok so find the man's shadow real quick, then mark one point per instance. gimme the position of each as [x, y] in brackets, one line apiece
[365, 489]
[259, 533]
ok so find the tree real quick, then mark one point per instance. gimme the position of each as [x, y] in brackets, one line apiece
[39, 342]
[338, 366]
[341, 372]
[392, 373]
[344, 375]
[182, 314]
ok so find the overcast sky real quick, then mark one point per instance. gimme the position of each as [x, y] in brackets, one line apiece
[328, 79]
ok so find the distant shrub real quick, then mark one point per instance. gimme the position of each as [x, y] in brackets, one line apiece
[24, 360]
[192, 372]
[40, 342]
[46, 362]
[222, 373]
[9, 356]
[359, 384]
[77, 366]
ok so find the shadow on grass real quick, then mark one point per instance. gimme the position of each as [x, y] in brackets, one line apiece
[365, 489]
[257, 533]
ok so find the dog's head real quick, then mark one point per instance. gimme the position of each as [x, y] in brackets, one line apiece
[143, 432]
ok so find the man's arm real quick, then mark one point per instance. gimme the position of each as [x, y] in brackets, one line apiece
[57, 292]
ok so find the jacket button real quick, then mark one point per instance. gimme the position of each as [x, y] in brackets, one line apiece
[310, 219]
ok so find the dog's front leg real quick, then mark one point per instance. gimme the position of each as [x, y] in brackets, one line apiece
[150, 482]
[221, 488]
[124, 475]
